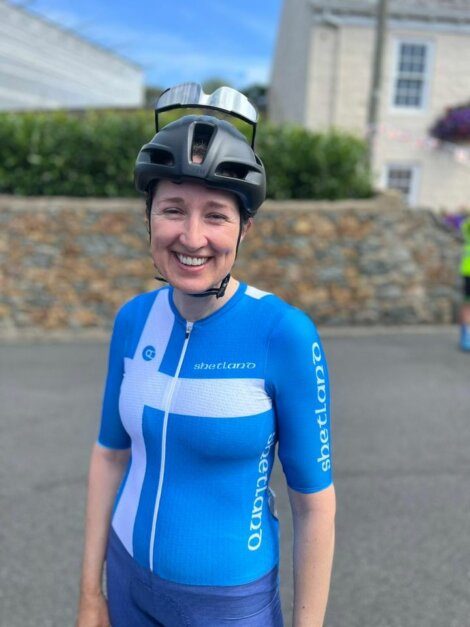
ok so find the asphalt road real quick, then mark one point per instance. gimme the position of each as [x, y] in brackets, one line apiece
[401, 410]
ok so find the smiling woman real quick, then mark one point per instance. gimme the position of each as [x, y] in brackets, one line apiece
[206, 377]
[194, 238]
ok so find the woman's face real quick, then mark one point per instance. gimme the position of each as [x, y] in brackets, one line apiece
[194, 232]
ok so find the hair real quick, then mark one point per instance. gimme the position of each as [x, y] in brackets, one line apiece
[199, 150]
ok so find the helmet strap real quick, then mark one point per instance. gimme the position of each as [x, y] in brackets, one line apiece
[160, 278]
[218, 292]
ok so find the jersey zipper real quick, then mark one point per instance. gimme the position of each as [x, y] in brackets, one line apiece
[167, 405]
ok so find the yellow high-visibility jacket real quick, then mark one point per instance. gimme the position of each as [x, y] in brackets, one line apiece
[465, 262]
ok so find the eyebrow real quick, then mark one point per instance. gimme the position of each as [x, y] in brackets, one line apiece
[170, 199]
[216, 205]
[212, 204]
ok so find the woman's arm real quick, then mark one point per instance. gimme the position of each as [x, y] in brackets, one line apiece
[314, 532]
[106, 470]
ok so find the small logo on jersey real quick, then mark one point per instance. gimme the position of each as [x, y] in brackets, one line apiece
[149, 353]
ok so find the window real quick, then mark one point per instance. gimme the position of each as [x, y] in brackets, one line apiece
[411, 73]
[403, 178]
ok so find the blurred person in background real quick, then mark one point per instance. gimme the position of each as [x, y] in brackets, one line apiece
[205, 377]
[465, 273]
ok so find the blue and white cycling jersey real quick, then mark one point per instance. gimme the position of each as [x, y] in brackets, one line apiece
[202, 406]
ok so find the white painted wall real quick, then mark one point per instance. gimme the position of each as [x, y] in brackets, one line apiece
[323, 78]
[45, 67]
[288, 85]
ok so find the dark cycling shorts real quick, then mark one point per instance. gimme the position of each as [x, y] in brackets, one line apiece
[466, 286]
[139, 598]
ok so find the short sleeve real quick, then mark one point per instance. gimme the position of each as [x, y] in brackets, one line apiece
[297, 380]
[112, 433]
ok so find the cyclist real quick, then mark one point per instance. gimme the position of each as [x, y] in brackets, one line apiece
[205, 377]
[465, 273]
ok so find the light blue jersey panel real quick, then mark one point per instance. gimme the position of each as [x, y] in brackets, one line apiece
[128, 324]
[202, 407]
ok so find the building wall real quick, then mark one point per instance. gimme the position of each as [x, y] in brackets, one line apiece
[323, 77]
[288, 85]
[443, 182]
[343, 54]
[338, 83]
[355, 78]
[45, 67]
[70, 263]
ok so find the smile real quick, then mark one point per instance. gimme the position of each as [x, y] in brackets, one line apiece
[192, 261]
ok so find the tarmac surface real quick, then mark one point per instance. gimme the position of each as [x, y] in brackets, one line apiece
[401, 434]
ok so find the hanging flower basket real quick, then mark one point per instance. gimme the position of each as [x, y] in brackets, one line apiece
[454, 125]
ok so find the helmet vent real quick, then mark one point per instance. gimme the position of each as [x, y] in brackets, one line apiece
[233, 170]
[202, 136]
[161, 157]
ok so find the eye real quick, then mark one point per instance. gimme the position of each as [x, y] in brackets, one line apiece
[171, 211]
[216, 217]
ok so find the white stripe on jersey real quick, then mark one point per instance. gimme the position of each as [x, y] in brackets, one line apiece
[254, 292]
[220, 398]
[162, 318]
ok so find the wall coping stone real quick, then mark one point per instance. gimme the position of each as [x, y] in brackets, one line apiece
[384, 202]
[60, 203]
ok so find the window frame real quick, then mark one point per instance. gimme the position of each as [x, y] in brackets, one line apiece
[412, 197]
[398, 42]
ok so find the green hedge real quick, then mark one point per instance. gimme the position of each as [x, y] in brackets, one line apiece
[93, 154]
[301, 164]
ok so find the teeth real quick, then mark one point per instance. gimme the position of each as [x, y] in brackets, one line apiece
[192, 261]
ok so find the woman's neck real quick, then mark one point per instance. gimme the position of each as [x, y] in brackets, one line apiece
[192, 308]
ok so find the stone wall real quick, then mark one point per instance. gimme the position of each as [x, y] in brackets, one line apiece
[69, 263]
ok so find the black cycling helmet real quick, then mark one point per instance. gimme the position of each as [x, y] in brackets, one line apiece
[229, 163]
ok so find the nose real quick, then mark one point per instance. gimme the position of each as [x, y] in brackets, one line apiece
[192, 236]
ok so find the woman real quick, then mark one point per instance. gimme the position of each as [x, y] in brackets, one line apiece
[205, 376]
[465, 273]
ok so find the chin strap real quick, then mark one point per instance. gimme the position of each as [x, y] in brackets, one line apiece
[160, 278]
[218, 292]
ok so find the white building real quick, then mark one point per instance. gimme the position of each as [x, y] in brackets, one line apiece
[44, 66]
[322, 76]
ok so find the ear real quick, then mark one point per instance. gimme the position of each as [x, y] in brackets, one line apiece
[245, 228]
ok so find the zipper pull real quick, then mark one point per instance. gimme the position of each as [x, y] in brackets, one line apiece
[189, 328]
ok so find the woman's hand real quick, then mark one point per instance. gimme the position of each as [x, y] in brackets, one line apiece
[93, 611]
[106, 469]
